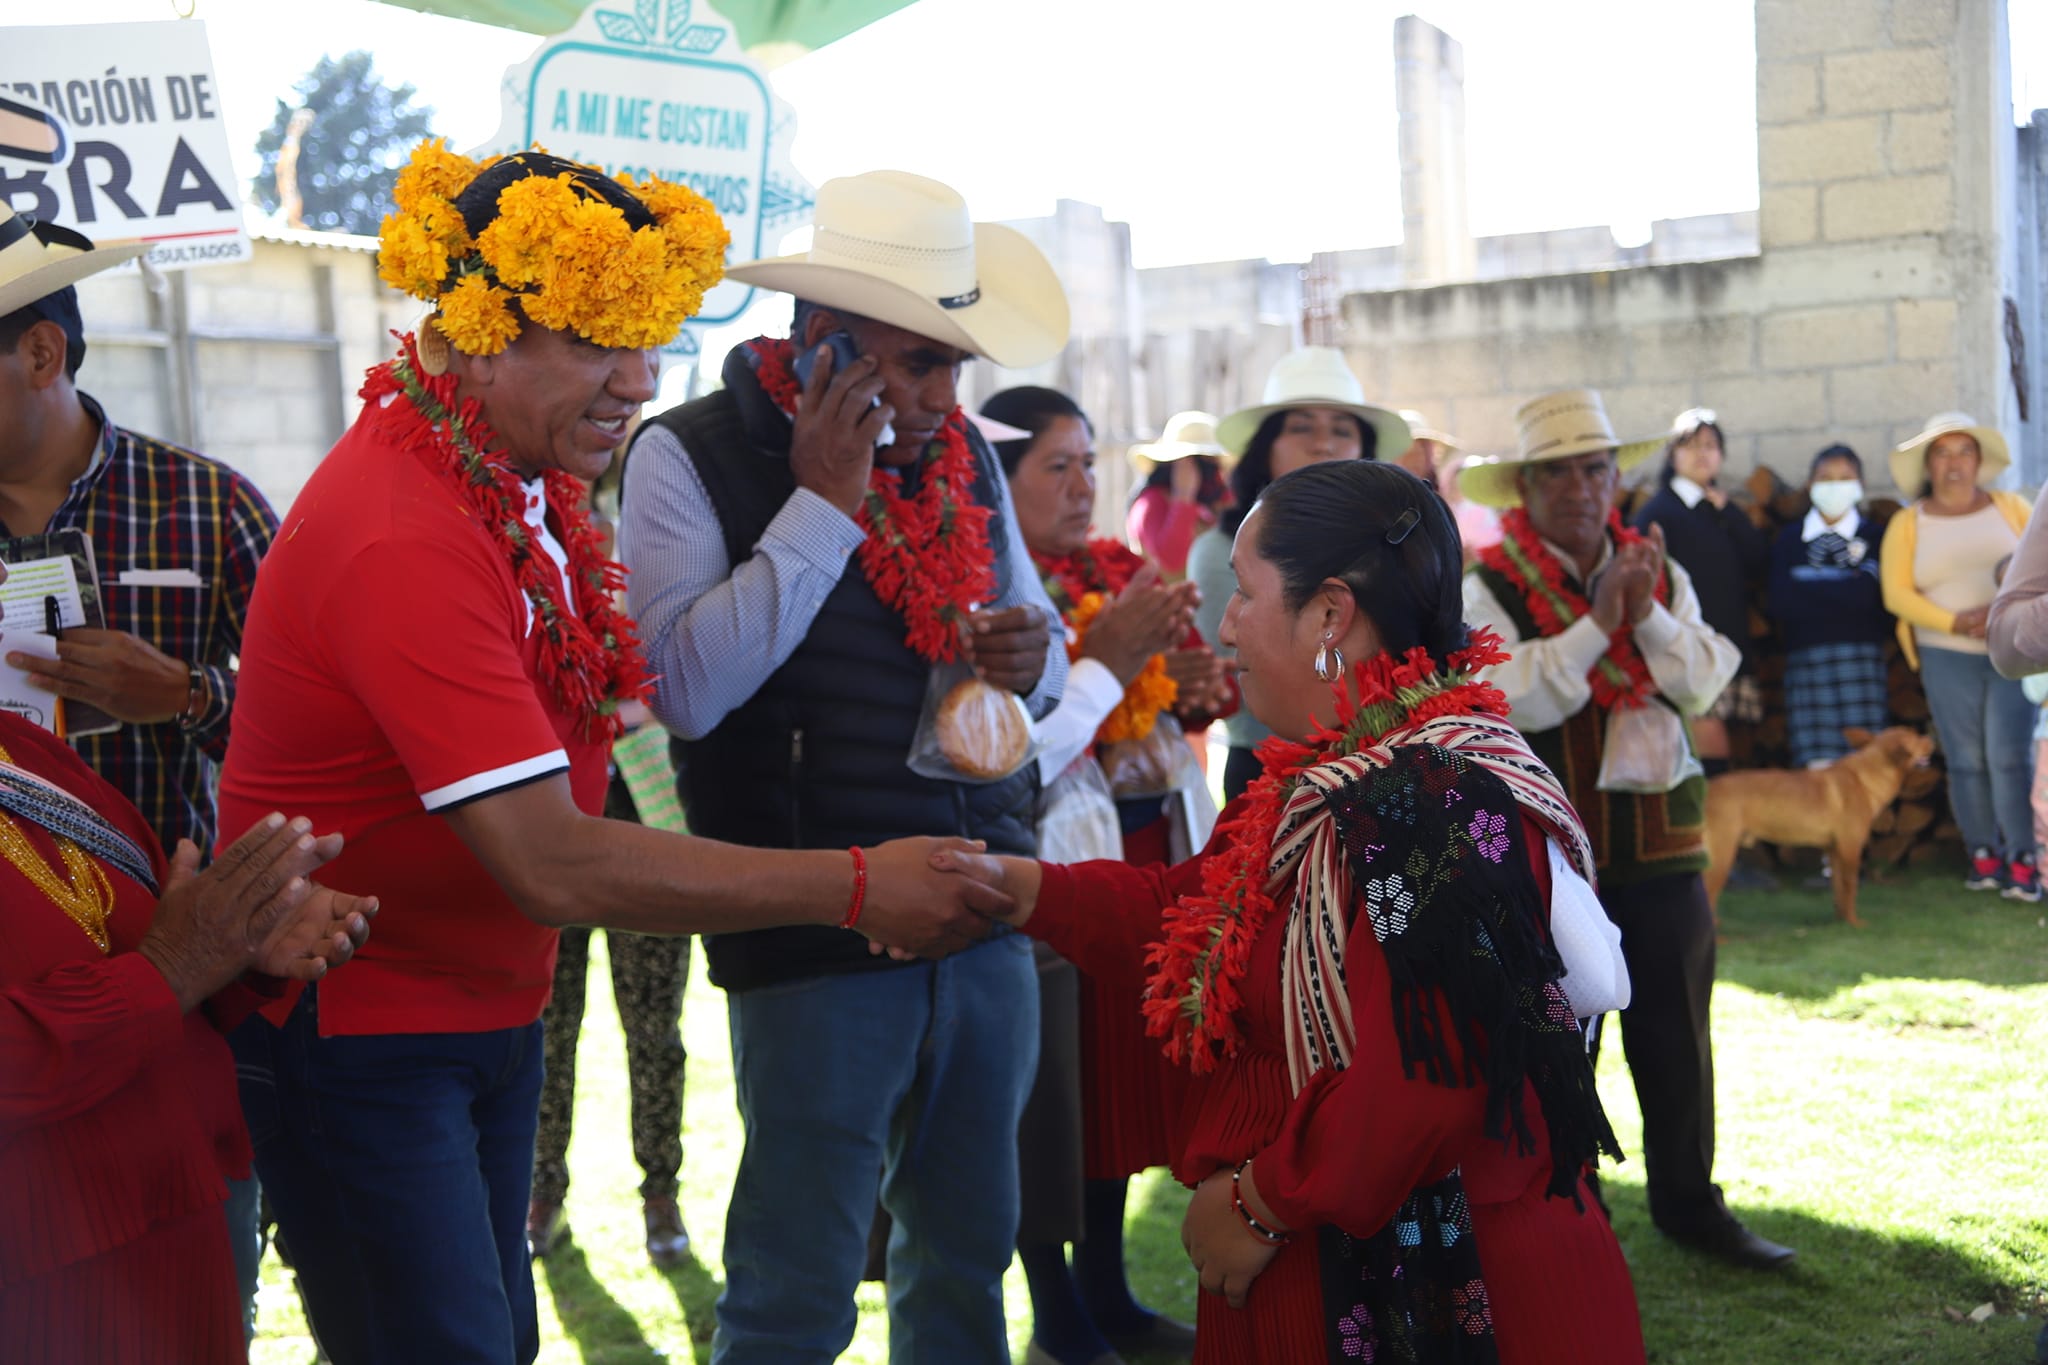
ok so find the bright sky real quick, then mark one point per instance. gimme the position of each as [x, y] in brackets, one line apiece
[1216, 129]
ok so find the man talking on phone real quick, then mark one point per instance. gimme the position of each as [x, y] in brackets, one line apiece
[806, 546]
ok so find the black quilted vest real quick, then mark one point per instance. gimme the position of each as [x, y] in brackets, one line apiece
[817, 757]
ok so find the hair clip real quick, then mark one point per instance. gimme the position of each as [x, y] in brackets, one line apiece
[1407, 522]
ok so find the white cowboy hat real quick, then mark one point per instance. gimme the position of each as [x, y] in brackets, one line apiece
[1556, 426]
[1315, 377]
[38, 259]
[992, 431]
[1909, 461]
[901, 249]
[1186, 433]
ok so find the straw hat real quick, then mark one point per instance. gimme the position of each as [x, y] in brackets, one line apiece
[38, 259]
[1419, 429]
[1556, 426]
[1186, 433]
[1315, 377]
[900, 249]
[1909, 461]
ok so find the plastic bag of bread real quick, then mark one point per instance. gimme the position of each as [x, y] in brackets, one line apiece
[1159, 763]
[1077, 821]
[970, 731]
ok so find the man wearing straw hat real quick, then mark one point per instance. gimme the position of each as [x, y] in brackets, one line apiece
[1610, 654]
[808, 545]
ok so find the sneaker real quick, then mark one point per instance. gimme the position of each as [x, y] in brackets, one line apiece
[2024, 881]
[1987, 871]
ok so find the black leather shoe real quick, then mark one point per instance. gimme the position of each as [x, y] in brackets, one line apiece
[547, 1227]
[1733, 1243]
[668, 1241]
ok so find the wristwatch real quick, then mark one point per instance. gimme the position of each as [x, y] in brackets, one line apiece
[196, 699]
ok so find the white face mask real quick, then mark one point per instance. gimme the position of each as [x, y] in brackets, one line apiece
[1835, 496]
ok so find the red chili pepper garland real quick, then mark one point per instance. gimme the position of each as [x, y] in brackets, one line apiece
[1620, 678]
[926, 556]
[590, 658]
[1198, 969]
[1104, 566]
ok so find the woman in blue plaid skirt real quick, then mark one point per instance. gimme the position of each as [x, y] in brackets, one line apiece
[1828, 605]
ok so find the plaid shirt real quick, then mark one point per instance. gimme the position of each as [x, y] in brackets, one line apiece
[149, 505]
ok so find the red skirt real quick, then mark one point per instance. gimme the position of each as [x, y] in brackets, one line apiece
[1130, 1094]
[1556, 1285]
[167, 1298]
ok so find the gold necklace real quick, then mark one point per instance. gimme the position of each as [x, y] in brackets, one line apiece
[84, 893]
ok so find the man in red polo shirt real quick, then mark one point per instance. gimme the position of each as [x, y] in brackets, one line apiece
[432, 668]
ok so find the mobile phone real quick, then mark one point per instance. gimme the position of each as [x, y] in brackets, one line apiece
[845, 350]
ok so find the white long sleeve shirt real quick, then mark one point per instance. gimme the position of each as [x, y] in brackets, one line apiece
[1545, 680]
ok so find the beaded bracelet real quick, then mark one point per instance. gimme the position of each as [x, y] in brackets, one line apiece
[860, 888]
[1269, 1236]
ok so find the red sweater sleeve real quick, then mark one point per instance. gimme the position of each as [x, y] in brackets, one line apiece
[1102, 916]
[1357, 1141]
[78, 1033]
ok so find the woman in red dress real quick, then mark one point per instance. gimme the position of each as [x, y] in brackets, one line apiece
[1391, 1109]
[118, 1118]
[1137, 661]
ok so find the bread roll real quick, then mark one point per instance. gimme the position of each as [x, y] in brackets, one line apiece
[983, 732]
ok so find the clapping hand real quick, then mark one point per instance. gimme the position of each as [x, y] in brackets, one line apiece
[1150, 616]
[1202, 680]
[1627, 588]
[255, 907]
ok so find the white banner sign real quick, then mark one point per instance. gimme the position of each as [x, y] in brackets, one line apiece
[662, 87]
[116, 130]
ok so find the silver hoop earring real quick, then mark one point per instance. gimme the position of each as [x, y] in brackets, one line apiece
[1323, 661]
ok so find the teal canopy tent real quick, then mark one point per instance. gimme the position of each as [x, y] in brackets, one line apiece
[797, 24]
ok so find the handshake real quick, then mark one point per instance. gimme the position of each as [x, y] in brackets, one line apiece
[930, 897]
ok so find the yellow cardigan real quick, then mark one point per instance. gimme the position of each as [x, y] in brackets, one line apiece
[1902, 598]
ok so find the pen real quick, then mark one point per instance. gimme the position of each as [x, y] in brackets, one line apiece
[52, 619]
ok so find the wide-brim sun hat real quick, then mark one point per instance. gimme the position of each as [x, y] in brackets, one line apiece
[1419, 429]
[1185, 434]
[1315, 377]
[38, 259]
[901, 249]
[1556, 426]
[1909, 460]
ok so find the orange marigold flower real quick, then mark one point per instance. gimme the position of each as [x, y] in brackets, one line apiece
[475, 319]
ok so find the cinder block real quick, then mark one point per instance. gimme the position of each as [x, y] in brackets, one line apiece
[1771, 402]
[1821, 149]
[1580, 359]
[1456, 365]
[1871, 82]
[1921, 142]
[1925, 329]
[1796, 28]
[1691, 350]
[1923, 21]
[1893, 393]
[1647, 409]
[1824, 336]
[1898, 206]
[1788, 216]
[1485, 423]
[1786, 91]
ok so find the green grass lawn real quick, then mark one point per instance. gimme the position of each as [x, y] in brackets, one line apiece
[1883, 1108]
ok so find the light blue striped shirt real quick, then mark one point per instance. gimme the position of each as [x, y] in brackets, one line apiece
[715, 631]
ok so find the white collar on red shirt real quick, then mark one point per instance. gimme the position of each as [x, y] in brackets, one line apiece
[536, 517]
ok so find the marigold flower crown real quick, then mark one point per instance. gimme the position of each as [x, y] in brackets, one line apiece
[562, 241]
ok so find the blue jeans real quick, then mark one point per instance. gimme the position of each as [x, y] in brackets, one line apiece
[917, 1076]
[1986, 725]
[245, 1239]
[398, 1167]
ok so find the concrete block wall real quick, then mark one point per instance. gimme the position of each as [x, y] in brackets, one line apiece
[1876, 299]
[255, 364]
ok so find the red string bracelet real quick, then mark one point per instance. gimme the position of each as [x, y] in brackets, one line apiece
[860, 888]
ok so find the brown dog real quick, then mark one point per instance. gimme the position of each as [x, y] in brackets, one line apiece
[1828, 808]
